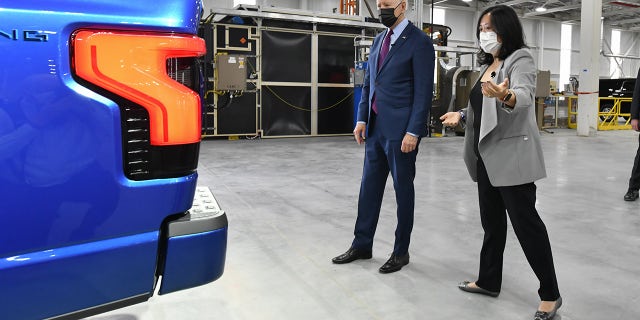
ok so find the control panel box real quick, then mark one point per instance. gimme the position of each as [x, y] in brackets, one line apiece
[232, 72]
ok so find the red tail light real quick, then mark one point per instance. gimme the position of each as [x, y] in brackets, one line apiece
[134, 67]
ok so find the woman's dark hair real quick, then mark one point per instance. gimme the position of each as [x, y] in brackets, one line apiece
[506, 24]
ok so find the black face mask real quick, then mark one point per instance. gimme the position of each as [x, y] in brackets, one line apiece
[388, 16]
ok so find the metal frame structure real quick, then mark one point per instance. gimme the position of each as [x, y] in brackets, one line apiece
[295, 15]
[259, 15]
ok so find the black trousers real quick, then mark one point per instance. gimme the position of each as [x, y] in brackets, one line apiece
[634, 181]
[519, 202]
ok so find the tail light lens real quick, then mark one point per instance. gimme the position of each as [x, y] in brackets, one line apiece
[134, 66]
[161, 117]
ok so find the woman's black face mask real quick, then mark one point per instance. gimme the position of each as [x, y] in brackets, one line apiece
[388, 16]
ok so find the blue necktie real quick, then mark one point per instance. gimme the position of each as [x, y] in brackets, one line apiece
[383, 54]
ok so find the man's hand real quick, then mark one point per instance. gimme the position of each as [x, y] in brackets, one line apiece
[409, 143]
[359, 132]
[634, 124]
[451, 119]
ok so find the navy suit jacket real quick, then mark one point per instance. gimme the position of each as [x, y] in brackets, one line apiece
[403, 86]
[635, 102]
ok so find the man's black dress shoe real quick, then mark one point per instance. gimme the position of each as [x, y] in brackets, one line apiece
[464, 286]
[351, 255]
[395, 263]
[631, 195]
[541, 315]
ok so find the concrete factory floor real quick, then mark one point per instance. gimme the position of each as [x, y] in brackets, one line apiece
[291, 205]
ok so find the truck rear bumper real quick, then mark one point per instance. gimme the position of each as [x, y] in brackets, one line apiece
[196, 245]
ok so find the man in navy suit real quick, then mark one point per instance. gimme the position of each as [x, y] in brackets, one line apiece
[392, 116]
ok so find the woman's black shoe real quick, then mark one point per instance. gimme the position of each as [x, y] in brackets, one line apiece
[464, 286]
[541, 315]
[631, 195]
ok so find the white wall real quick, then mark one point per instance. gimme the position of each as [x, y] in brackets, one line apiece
[575, 50]
[294, 4]
[323, 6]
[208, 4]
[462, 24]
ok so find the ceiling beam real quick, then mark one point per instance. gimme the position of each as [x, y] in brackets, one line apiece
[512, 2]
[625, 4]
[618, 22]
[611, 10]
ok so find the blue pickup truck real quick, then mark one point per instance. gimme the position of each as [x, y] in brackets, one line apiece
[100, 127]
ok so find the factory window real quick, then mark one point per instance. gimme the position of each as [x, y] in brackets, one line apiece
[615, 64]
[438, 18]
[237, 2]
[565, 56]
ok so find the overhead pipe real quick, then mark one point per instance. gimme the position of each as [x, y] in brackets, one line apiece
[611, 55]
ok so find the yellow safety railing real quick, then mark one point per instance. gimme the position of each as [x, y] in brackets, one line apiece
[572, 112]
[608, 118]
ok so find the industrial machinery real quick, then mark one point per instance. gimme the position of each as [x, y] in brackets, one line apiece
[452, 81]
[230, 73]
[362, 46]
[298, 68]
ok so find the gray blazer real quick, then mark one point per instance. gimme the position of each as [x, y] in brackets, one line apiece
[509, 141]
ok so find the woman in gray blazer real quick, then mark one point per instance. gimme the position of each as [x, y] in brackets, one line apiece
[503, 155]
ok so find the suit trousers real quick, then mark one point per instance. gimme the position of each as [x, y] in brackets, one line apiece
[383, 156]
[634, 181]
[519, 202]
